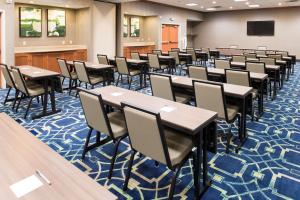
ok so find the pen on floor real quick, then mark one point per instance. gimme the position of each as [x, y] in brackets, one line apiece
[43, 177]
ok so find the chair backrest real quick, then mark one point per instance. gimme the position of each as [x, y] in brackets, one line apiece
[81, 71]
[222, 64]
[268, 61]
[146, 136]
[210, 96]
[250, 55]
[19, 80]
[153, 61]
[94, 111]
[206, 50]
[63, 67]
[193, 53]
[237, 58]
[102, 59]
[122, 65]
[256, 67]
[175, 54]
[276, 56]
[198, 72]
[161, 86]
[283, 53]
[7, 76]
[135, 55]
[175, 49]
[158, 52]
[237, 77]
[260, 52]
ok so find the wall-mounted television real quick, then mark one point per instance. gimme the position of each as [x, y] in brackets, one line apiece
[260, 28]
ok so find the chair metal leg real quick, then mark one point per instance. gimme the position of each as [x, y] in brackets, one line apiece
[113, 159]
[228, 138]
[118, 80]
[70, 86]
[38, 99]
[16, 98]
[87, 141]
[62, 83]
[129, 170]
[130, 81]
[28, 107]
[173, 183]
[7, 95]
[22, 96]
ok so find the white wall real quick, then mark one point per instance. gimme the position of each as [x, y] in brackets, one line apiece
[222, 29]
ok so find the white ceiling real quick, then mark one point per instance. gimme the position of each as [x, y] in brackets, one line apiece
[229, 4]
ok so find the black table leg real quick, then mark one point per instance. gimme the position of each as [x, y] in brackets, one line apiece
[243, 129]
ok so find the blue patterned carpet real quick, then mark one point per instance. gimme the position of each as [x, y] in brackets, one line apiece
[267, 167]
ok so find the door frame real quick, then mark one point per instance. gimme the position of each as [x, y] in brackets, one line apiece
[3, 45]
[160, 34]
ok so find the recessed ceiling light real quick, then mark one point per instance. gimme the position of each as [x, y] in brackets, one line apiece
[230, 7]
[202, 7]
[247, 3]
[240, 0]
[67, 6]
[211, 9]
[279, 4]
[31, 1]
[254, 6]
[214, 2]
[191, 4]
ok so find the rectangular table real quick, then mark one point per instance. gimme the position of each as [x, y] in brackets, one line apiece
[240, 92]
[190, 120]
[35, 73]
[165, 59]
[21, 154]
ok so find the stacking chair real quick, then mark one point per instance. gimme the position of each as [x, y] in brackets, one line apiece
[66, 73]
[135, 55]
[237, 58]
[102, 59]
[211, 96]
[150, 138]
[154, 63]
[32, 90]
[250, 55]
[161, 86]
[198, 72]
[158, 52]
[239, 77]
[268, 61]
[272, 77]
[222, 64]
[182, 64]
[123, 69]
[85, 77]
[111, 124]
[260, 52]
[283, 53]
[175, 49]
[194, 56]
[10, 83]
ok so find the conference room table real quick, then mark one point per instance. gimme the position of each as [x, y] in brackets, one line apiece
[275, 69]
[31, 170]
[163, 59]
[107, 69]
[241, 93]
[50, 79]
[255, 77]
[197, 123]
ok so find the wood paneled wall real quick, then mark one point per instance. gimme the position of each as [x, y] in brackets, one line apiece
[140, 49]
[48, 60]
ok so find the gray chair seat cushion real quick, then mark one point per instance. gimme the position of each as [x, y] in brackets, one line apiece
[135, 72]
[179, 145]
[232, 111]
[96, 79]
[117, 123]
[182, 98]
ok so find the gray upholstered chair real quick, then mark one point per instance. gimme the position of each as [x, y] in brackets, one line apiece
[260, 52]
[66, 73]
[283, 53]
[30, 90]
[239, 77]
[123, 69]
[154, 63]
[238, 58]
[198, 72]
[195, 60]
[268, 61]
[10, 83]
[85, 77]
[111, 124]
[150, 138]
[135, 55]
[102, 59]
[211, 96]
[250, 55]
[275, 56]
[178, 62]
[175, 49]
[222, 64]
[161, 86]
[157, 52]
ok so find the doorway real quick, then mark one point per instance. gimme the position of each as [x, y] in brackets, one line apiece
[169, 37]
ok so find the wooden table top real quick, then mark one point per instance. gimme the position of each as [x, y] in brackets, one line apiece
[35, 72]
[94, 66]
[253, 75]
[184, 117]
[21, 154]
[243, 64]
[229, 89]
[132, 61]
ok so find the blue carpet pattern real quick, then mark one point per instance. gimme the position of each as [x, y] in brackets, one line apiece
[267, 167]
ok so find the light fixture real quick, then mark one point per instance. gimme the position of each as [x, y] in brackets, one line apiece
[191, 4]
[230, 7]
[254, 6]
[247, 3]
[214, 2]
[211, 9]
[279, 4]
[240, 0]
[31, 2]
